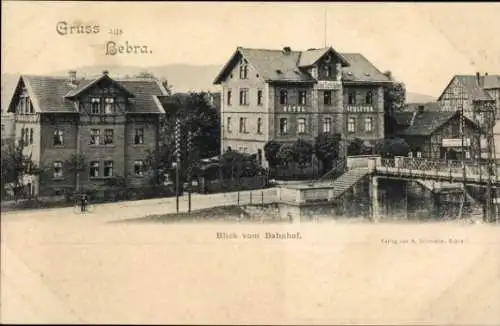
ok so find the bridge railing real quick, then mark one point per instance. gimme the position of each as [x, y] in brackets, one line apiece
[423, 164]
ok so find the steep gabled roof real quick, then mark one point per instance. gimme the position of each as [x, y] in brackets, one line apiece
[311, 56]
[425, 123]
[491, 81]
[361, 70]
[279, 65]
[86, 85]
[49, 94]
[471, 87]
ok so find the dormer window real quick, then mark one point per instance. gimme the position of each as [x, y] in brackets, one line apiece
[95, 104]
[243, 69]
[109, 107]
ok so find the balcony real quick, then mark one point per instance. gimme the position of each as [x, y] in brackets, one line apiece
[328, 85]
[455, 142]
[32, 118]
[359, 108]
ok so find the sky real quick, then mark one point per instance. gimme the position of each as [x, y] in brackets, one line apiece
[423, 45]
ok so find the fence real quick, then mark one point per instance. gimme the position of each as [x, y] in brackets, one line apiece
[224, 185]
[295, 172]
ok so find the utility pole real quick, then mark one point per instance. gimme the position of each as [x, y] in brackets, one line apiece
[177, 161]
[190, 165]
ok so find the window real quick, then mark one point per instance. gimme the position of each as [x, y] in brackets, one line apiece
[94, 169]
[351, 98]
[351, 125]
[109, 107]
[301, 126]
[283, 126]
[243, 125]
[368, 124]
[95, 136]
[31, 135]
[283, 97]
[467, 155]
[369, 97]
[57, 169]
[328, 70]
[108, 168]
[229, 93]
[30, 105]
[58, 137]
[259, 97]
[3, 127]
[243, 69]
[95, 105]
[302, 97]
[327, 125]
[244, 96]
[139, 168]
[259, 125]
[419, 154]
[327, 97]
[139, 136]
[26, 136]
[228, 126]
[108, 136]
[259, 156]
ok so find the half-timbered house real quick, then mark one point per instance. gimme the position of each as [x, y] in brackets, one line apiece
[108, 124]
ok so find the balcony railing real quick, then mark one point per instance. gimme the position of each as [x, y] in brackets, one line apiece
[34, 118]
[360, 108]
[328, 85]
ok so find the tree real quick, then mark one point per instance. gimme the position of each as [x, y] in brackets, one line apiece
[271, 149]
[394, 95]
[15, 165]
[355, 147]
[197, 117]
[76, 164]
[303, 152]
[326, 149]
[286, 154]
[391, 147]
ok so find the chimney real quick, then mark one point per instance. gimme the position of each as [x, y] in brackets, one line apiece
[420, 109]
[105, 72]
[486, 74]
[478, 79]
[72, 76]
[287, 50]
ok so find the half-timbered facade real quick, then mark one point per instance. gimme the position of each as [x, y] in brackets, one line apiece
[479, 96]
[109, 124]
[438, 135]
[284, 94]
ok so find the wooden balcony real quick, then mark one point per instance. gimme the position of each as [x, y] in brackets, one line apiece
[328, 85]
[28, 118]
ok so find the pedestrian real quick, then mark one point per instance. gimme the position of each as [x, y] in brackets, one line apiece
[84, 202]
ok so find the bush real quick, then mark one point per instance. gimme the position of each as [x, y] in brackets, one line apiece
[303, 151]
[357, 147]
[271, 149]
[391, 147]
